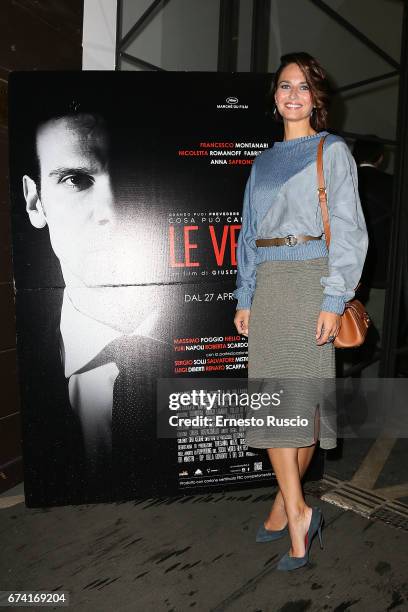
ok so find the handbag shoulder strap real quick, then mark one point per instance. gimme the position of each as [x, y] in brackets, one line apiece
[322, 191]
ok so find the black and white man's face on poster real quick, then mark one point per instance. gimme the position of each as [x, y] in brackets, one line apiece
[92, 235]
[75, 198]
[92, 231]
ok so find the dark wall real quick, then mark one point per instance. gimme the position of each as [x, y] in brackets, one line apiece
[35, 35]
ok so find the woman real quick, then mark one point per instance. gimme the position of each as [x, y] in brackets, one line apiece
[291, 291]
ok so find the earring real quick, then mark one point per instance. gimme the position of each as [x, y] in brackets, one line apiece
[313, 111]
[275, 110]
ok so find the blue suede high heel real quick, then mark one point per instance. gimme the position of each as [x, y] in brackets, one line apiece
[287, 563]
[269, 535]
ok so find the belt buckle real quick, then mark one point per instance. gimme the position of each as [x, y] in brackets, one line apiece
[290, 240]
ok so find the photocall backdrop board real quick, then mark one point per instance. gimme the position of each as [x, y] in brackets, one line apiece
[127, 193]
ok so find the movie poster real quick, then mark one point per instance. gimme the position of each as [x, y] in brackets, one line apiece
[127, 193]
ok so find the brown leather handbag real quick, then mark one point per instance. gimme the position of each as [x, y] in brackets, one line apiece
[355, 320]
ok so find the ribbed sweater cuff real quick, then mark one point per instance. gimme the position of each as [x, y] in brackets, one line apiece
[244, 302]
[333, 303]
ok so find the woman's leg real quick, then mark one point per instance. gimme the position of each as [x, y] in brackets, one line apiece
[286, 467]
[277, 518]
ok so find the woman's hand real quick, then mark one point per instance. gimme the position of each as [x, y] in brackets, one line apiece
[241, 321]
[328, 324]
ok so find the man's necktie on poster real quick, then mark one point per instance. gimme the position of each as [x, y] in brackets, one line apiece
[140, 362]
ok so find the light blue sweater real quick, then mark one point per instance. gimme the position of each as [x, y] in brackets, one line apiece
[281, 198]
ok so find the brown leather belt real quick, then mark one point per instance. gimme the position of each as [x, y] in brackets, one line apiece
[289, 240]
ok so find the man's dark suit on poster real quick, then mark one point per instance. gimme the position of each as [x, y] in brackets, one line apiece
[56, 463]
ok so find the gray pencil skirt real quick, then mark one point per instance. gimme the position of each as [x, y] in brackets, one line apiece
[284, 359]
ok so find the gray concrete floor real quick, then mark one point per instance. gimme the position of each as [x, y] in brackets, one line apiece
[199, 553]
[387, 468]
